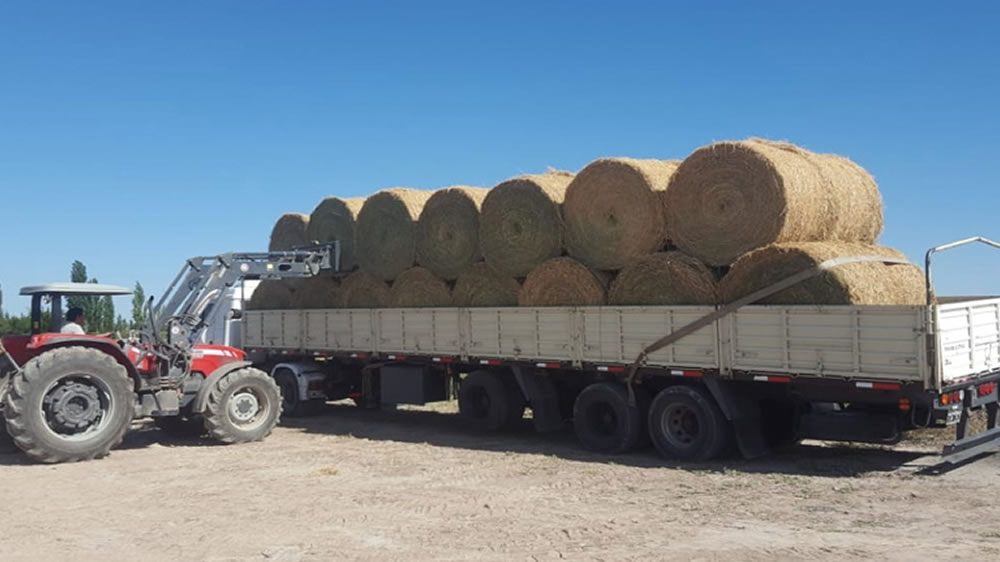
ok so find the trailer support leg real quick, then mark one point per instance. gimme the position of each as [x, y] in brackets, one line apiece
[543, 399]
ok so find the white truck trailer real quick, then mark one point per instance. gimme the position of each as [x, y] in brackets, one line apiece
[692, 379]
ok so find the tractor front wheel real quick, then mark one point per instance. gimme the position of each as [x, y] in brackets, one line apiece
[69, 404]
[242, 406]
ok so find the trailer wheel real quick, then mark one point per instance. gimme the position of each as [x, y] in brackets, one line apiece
[685, 424]
[291, 405]
[485, 401]
[69, 404]
[243, 406]
[604, 421]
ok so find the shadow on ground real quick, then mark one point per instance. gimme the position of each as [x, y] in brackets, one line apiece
[446, 430]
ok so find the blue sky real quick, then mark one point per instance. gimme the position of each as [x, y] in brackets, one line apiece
[136, 134]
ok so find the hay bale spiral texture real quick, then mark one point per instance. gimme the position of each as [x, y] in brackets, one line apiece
[385, 242]
[289, 232]
[731, 197]
[364, 290]
[271, 294]
[865, 283]
[520, 225]
[417, 287]
[318, 292]
[564, 281]
[614, 211]
[665, 278]
[334, 219]
[448, 230]
[481, 285]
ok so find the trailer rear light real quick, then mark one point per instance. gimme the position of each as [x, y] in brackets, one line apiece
[951, 398]
[771, 378]
[685, 373]
[489, 361]
[547, 365]
[610, 369]
[904, 404]
[986, 389]
[878, 385]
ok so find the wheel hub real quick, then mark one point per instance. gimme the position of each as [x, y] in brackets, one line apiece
[73, 406]
[681, 426]
[244, 406]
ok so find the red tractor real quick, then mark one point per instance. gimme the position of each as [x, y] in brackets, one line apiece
[71, 397]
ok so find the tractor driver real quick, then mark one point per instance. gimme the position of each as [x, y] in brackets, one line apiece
[74, 322]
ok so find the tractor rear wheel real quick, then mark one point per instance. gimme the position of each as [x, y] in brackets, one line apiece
[69, 404]
[243, 406]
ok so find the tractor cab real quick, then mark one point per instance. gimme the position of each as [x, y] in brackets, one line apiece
[24, 347]
[54, 293]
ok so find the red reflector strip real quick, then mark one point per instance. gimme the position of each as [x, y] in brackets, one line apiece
[442, 359]
[771, 378]
[878, 385]
[547, 365]
[686, 373]
[396, 357]
[610, 369]
[489, 361]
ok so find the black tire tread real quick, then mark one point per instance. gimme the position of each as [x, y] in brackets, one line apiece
[720, 428]
[215, 412]
[33, 371]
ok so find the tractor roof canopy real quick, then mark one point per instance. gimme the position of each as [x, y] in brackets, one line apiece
[74, 289]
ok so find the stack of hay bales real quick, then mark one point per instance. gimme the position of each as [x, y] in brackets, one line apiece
[730, 219]
[334, 219]
[770, 209]
[387, 231]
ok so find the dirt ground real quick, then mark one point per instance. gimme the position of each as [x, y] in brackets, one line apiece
[415, 485]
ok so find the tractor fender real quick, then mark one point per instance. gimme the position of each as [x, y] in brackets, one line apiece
[201, 400]
[102, 344]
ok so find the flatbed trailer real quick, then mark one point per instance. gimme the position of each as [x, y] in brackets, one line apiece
[692, 378]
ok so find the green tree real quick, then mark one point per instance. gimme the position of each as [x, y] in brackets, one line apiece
[138, 306]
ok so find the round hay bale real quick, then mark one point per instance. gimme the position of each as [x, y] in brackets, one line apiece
[363, 290]
[271, 294]
[614, 211]
[289, 232]
[334, 219]
[318, 292]
[448, 230]
[564, 282]
[665, 278]
[480, 285]
[731, 197]
[865, 283]
[417, 287]
[385, 236]
[520, 225]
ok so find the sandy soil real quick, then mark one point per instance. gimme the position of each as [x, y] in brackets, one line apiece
[414, 485]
